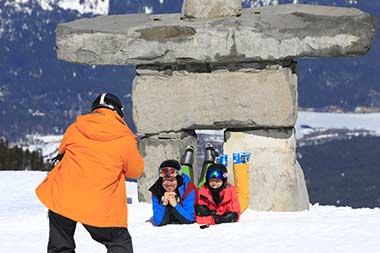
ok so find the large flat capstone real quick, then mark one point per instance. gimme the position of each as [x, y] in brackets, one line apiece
[217, 100]
[259, 34]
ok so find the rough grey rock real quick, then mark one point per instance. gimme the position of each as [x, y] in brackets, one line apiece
[211, 8]
[259, 34]
[267, 98]
[155, 150]
[276, 179]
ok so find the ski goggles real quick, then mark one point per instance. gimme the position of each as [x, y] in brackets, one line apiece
[216, 173]
[168, 172]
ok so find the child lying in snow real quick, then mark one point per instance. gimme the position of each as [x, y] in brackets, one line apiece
[217, 199]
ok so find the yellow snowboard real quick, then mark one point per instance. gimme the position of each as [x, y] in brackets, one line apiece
[241, 178]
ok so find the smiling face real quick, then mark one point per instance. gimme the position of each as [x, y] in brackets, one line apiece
[169, 183]
[215, 183]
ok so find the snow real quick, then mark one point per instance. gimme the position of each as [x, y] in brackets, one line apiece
[256, 3]
[100, 7]
[24, 224]
[148, 9]
[46, 144]
[350, 121]
[2, 88]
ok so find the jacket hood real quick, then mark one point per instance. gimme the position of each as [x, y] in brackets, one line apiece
[102, 125]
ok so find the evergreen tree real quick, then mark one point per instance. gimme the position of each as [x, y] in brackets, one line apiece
[15, 158]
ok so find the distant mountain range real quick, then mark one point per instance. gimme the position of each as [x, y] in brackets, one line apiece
[39, 94]
[343, 171]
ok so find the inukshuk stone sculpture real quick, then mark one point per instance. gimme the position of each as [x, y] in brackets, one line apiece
[216, 66]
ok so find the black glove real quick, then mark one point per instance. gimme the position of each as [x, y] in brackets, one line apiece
[56, 159]
[228, 217]
[217, 219]
[202, 210]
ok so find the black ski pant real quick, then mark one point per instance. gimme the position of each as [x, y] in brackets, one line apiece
[61, 236]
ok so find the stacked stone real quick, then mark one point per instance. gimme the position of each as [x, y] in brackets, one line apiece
[157, 148]
[216, 66]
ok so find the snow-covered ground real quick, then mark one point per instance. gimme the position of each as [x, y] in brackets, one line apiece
[24, 227]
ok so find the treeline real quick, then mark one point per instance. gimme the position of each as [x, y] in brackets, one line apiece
[15, 158]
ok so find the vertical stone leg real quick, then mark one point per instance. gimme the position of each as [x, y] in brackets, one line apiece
[158, 148]
[276, 179]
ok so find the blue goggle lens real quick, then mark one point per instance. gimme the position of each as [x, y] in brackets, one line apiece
[216, 174]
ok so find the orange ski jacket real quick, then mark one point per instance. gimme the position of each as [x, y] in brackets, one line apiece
[88, 184]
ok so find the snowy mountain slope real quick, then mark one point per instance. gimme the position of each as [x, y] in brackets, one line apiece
[100, 7]
[24, 225]
[308, 122]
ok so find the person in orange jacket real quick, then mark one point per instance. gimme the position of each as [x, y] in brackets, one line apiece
[217, 199]
[88, 185]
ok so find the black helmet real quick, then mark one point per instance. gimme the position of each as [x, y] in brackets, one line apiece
[171, 164]
[109, 101]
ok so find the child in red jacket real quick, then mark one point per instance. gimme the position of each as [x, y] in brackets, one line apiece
[217, 199]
